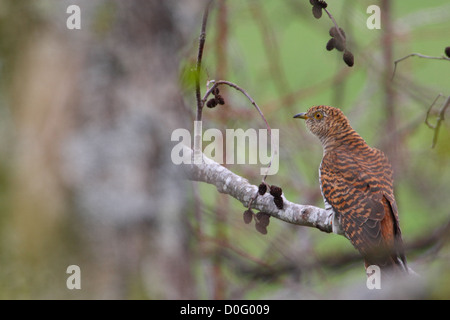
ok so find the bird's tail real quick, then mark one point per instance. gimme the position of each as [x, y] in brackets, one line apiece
[389, 260]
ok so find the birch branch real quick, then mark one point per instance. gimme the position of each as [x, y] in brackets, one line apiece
[416, 55]
[239, 188]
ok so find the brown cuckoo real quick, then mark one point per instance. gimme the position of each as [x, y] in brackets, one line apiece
[357, 187]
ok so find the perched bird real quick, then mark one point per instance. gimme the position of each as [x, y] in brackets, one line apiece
[356, 182]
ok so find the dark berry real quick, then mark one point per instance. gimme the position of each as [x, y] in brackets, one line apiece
[331, 44]
[333, 32]
[317, 11]
[447, 51]
[275, 191]
[263, 218]
[260, 228]
[220, 100]
[248, 216]
[339, 45]
[322, 4]
[211, 103]
[348, 58]
[262, 188]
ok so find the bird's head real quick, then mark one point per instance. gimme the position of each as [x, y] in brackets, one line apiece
[324, 121]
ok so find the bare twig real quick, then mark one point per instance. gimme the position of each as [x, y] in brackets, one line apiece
[441, 117]
[200, 103]
[201, 45]
[416, 55]
[429, 110]
[335, 24]
[235, 86]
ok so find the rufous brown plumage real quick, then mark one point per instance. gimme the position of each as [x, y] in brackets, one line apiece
[357, 186]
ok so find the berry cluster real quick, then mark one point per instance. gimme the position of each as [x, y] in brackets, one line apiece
[262, 189]
[275, 193]
[338, 42]
[218, 99]
[261, 220]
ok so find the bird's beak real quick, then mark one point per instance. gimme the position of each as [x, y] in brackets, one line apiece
[301, 115]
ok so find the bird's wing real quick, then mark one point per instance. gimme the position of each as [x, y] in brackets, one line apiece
[356, 190]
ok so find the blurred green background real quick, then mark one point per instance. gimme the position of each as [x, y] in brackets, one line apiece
[85, 123]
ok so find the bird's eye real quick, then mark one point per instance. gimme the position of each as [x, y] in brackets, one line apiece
[318, 115]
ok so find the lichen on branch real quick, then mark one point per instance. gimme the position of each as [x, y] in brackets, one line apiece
[239, 188]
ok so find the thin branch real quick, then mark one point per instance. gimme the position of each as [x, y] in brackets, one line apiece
[335, 24]
[201, 45]
[235, 86]
[416, 55]
[429, 110]
[200, 103]
[239, 188]
[441, 117]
